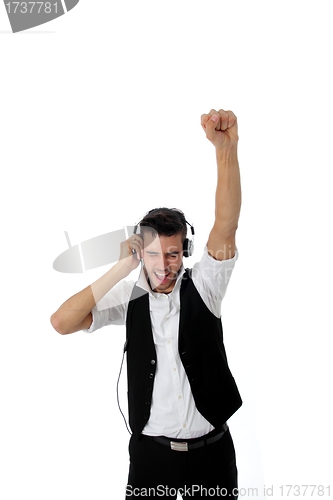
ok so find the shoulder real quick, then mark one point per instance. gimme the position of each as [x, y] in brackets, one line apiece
[211, 278]
[209, 269]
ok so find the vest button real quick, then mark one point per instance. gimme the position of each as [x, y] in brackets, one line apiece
[153, 361]
[151, 375]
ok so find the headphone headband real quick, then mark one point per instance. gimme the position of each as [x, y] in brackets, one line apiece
[188, 245]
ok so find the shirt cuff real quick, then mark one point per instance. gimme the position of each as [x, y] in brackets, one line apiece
[225, 261]
[99, 319]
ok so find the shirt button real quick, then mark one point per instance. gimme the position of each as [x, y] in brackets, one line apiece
[184, 425]
[179, 397]
[168, 341]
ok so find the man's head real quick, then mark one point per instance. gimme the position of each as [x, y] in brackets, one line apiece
[163, 231]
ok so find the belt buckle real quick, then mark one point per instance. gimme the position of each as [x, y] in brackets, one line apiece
[179, 446]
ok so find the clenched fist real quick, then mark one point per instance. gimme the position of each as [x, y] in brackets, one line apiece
[221, 128]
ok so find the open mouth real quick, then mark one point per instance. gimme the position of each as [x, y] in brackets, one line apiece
[162, 277]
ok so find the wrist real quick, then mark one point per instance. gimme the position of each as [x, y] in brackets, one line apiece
[123, 267]
[227, 156]
[228, 149]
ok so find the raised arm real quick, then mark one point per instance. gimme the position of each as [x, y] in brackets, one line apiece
[222, 131]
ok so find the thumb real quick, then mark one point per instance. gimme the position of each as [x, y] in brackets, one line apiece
[211, 126]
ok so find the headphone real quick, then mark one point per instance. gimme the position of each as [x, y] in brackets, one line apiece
[188, 245]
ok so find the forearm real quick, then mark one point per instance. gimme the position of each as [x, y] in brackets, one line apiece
[228, 190]
[72, 312]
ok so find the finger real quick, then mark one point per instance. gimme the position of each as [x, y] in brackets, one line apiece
[224, 119]
[212, 113]
[135, 248]
[232, 118]
[136, 254]
[211, 130]
[136, 238]
[204, 120]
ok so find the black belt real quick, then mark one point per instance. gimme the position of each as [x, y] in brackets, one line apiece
[192, 443]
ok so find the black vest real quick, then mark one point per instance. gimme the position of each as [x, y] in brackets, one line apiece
[201, 351]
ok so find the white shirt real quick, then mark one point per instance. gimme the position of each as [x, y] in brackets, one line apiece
[173, 411]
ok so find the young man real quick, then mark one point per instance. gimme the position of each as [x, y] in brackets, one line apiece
[180, 389]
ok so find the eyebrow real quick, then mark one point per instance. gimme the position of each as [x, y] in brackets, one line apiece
[151, 252]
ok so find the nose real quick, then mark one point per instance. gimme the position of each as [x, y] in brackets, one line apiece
[163, 262]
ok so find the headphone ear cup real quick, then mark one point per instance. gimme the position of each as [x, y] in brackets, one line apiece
[187, 248]
[190, 247]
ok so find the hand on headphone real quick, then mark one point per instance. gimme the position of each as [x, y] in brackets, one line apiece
[131, 252]
[220, 127]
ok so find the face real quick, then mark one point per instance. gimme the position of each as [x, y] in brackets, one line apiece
[163, 257]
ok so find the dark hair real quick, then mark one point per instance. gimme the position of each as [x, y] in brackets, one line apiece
[165, 222]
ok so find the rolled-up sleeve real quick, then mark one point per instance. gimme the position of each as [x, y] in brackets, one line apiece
[112, 308]
[211, 278]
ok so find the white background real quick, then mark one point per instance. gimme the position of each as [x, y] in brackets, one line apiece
[100, 122]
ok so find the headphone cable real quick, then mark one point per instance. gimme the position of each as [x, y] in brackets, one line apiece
[121, 366]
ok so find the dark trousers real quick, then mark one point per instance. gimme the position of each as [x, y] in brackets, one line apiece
[157, 471]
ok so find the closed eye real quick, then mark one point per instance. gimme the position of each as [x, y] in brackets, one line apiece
[154, 254]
